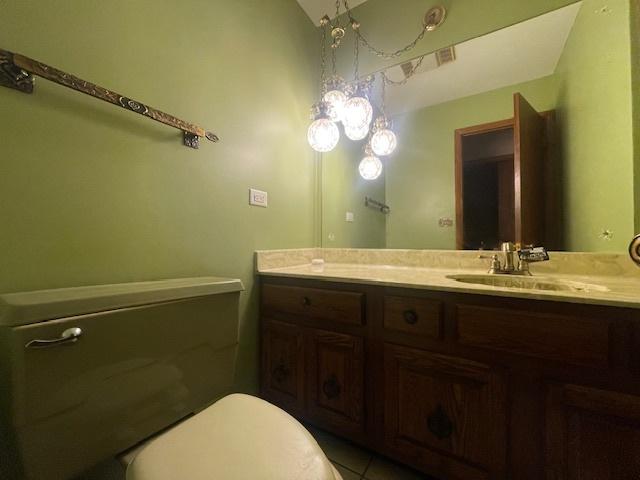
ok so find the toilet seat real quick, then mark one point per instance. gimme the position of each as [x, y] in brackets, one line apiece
[239, 437]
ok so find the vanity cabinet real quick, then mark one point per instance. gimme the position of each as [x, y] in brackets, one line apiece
[335, 379]
[444, 413]
[592, 434]
[459, 386]
[283, 378]
[313, 355]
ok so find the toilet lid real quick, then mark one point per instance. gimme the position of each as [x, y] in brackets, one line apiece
[239, 437]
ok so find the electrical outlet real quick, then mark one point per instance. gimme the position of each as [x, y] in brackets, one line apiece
[349, 217]
[258, 198]
[445, 222]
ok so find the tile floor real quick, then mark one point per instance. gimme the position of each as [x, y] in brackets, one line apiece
[353, 463]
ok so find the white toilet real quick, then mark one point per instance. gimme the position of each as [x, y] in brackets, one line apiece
[239, 437]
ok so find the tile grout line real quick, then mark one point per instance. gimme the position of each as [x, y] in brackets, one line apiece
[351, 469]
[366, 468]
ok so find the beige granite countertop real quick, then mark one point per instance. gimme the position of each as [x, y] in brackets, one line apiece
[429, 269]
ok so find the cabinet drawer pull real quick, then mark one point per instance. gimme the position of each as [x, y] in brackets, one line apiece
[410, 317]
[331, 387]
[439, 424]
[306, 301]
[69, 336]
[280, 373]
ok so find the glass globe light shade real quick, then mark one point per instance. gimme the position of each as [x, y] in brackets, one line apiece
[323, 135]
[337, 99]
[357, 113]
[370, 167]
[383, 142]
[356, 133]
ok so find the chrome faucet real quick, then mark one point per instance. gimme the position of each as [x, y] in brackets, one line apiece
[509, 266]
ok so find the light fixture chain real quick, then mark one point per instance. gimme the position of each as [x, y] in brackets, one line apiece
[356, 59]
[333, 62]
[378, 52]
[383, 107]
[408, 75]
[323, 61]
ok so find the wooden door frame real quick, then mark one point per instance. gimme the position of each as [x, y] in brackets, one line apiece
[459, 188]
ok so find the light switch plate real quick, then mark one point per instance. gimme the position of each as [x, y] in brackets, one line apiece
[258, 198]
[349, 217]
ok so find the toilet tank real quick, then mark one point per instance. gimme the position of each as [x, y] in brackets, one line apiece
[147, 354]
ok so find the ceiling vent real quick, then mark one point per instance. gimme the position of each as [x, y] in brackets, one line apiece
[446, 55]
[407, 68]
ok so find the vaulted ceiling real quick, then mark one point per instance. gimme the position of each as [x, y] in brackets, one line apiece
[316, 9]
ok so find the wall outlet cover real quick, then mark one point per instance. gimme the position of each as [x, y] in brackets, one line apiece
[349, 217]
[445, 222]
[258, 198]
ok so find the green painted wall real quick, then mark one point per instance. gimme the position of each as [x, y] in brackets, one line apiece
[344, 190]
[93, 194]
[635, 81]
[420, 183]
[595, 123]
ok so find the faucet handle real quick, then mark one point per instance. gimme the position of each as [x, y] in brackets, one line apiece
[508, 247]
[532, 254]
[495, 262]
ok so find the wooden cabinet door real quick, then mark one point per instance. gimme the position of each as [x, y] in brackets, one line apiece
[335, 380]
[592, 434]
[445, 415]
[282, 375]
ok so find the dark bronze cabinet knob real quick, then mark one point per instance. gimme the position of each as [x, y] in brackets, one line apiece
[331, 387]
[410, 317]
[280, 373]
[306, 301]
[440, 424]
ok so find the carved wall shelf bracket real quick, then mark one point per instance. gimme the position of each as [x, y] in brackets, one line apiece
[18, 72]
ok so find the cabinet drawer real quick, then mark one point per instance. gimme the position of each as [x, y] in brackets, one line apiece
[418, 316]
[335, 305]
[574, 340]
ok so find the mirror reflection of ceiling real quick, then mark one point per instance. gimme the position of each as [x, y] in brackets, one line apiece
[316, 9]
[513, 55]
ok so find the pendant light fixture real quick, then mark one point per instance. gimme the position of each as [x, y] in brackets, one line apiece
[323, 134]
[336, 96]
[358, 111]
[348, 103]
[356, 134]
[383, 140]
[370, 166]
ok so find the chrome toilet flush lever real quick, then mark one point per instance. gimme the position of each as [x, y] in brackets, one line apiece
[69, 336]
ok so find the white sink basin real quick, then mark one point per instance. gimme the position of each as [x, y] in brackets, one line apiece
[529, 283]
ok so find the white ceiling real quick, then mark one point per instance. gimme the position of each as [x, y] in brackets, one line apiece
[316, 9]
[516, 54]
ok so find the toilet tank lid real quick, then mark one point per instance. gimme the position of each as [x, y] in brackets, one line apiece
[23, 308]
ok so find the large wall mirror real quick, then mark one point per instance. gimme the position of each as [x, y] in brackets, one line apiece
[524, 134]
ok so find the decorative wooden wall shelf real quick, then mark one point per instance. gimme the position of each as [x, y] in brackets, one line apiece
[18, 71]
